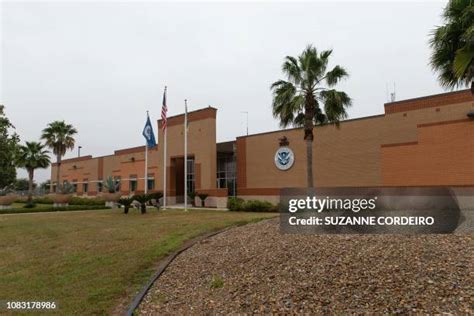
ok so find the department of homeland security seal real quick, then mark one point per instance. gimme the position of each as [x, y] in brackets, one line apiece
[284, 158]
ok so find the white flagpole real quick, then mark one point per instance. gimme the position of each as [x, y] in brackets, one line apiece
[146, 162]
[164, 156]
[164, 169]
[146, 168]
[185, 155]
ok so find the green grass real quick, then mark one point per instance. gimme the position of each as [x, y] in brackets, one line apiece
[217, 282]
[91, 262]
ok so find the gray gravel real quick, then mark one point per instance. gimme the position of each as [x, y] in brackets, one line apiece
[255, 269]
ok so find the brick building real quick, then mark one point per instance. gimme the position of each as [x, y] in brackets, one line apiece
[427, 141]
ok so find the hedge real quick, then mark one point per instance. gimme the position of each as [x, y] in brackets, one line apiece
[54, 209]
[238, 204]
[75, 200]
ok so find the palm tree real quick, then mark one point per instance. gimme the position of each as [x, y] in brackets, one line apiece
[453, 45]
[32, 156]
[306, 98]
[59, 136]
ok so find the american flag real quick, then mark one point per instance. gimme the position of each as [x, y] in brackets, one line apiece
[164, 110]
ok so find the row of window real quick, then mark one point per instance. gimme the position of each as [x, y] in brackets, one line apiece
[226, 178]
[132, 185]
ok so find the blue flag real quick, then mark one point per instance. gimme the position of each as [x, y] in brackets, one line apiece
[149, 134]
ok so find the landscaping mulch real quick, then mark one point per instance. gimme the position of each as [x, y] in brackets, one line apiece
[255, 269]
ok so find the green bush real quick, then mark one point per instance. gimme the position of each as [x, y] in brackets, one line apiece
[86, 201]
[125, 202]
[143, 200]
[75, 200]
[258, 206]
[54, 209]
[238, 204]
[235, 204]
[155, 195]
[42, 200]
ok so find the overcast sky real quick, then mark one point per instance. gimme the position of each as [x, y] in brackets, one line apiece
[101, 65]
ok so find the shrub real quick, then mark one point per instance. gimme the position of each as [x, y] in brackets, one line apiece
[67, 188]
[235, 204]
[125, 202]
[6, 190]
[86, 201]
[155, 195]
[111, 185]
[192, 198]
[43, 200]
[238, 204]
[203, 197]
[54, 209]
[258, 206]
[142, 199]
[74, 201]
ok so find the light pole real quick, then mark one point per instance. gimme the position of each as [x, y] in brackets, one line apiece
[79, 151]
[247, 114]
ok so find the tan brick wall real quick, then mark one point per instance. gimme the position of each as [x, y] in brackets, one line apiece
[361, 152]
[77, 170]
[350, 155]
[131, 161]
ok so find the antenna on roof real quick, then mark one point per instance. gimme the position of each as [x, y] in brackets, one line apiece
[393, 95]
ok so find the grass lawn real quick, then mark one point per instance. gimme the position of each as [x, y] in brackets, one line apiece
[90, 262]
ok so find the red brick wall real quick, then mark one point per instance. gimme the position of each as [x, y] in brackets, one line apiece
[443, 155]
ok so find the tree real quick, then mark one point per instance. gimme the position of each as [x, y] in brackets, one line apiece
[59, 136]
[22, 184]
[307, 99]
[453, 45]
[8, 147]
[45, 186]
[32, 156]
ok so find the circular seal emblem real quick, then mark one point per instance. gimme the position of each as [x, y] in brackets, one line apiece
[148, 132]
[284, 158]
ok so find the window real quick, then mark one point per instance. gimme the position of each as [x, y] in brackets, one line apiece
[190, 175]
[151, 184]
[226, 173]
[117, 181]
[133, 185]
[85, 187]
[74, 185]
[99, 186]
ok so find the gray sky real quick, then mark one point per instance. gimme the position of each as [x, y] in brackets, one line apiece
[100, 66]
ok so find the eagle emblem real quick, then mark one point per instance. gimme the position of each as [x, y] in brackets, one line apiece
[284, 158]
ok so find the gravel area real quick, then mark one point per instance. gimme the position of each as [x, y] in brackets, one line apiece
[255, 269]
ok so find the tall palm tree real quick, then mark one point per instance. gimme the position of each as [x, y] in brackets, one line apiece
[453, 45]
[59, 136]
[306, 98]
[32, 156]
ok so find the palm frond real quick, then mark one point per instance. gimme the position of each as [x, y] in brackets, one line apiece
[335, 105]
[59, 136]
[451, 44]
[292, 70]
[335, 75]
[32, 155]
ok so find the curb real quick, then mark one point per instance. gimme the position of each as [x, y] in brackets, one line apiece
[165, 263]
